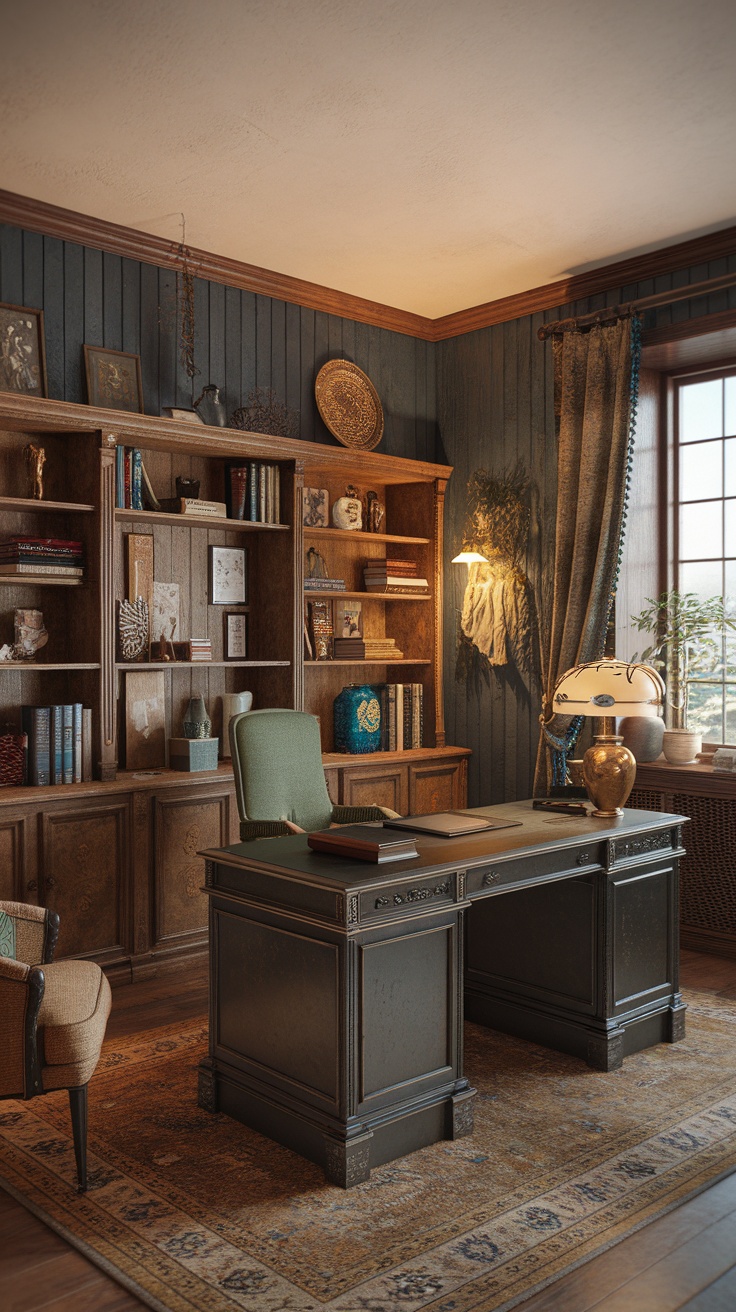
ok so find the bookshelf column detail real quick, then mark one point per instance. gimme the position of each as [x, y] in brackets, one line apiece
[108, 753]
[439, 694]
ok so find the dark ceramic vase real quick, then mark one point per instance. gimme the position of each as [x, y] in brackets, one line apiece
[197, 723]
[357, 716]
[210, 407]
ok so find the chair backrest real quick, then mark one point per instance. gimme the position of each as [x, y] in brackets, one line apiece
[277, 762]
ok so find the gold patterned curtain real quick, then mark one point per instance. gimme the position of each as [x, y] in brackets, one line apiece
[596, 377]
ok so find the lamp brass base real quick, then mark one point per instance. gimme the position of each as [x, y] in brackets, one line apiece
[609, 770]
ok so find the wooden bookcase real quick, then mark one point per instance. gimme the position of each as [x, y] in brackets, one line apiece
[117, 857]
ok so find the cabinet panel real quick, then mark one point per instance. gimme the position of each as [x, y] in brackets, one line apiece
[183, 826]
[84, 875]
[385, 785]
[436, 786]
[12, 855]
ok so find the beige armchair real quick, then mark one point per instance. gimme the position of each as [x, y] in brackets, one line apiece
[52, 1017]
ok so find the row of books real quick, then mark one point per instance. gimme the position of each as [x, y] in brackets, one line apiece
[253, 492]
[44, 556]
[402, 716]
[133, 489]
[59, 744]
[366, 649]
[394, 576]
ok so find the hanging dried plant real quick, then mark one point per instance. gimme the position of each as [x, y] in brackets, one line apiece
[264, 413]
[498, 618]
[185, 297]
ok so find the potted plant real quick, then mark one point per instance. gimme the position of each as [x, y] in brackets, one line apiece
[687, 633]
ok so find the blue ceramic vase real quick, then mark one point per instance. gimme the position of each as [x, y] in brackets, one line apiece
[357, 717]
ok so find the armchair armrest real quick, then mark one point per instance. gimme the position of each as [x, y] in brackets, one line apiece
[356, 815]
[263, 829]
[21, 992]
[32, 934]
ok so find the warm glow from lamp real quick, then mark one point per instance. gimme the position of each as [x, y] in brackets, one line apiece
[607, 688]
[469, 558]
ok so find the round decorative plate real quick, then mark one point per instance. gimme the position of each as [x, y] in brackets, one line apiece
[349, 404]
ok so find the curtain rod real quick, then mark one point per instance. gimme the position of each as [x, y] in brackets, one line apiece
[643, 303]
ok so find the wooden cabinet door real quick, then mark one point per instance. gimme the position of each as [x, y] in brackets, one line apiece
[185, 823]
[12, 858]
[377, 785]
[84, 874]
[436, 786]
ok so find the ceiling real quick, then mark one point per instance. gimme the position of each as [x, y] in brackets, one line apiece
[427, 154]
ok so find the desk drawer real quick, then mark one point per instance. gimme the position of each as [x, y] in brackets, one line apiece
[397, 900]
[530, 867]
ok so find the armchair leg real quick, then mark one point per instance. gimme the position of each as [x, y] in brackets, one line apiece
[78, 1109]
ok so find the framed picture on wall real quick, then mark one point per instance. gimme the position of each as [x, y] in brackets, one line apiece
[227, 576]
[113, 379]
[22, 351]
[235, 635]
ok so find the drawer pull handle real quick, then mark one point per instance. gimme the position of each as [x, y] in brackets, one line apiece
[491, 877]
[583, 858]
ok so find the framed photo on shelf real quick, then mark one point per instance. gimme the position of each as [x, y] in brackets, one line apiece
[227, 576]
[235, 635]
[315, 507]
[113, 379]
[348, 619]
[22, 351]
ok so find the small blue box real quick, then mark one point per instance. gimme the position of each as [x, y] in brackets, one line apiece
[193, 754]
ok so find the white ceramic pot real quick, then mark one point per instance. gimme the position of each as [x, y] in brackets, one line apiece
[232, 704]
[681, 746]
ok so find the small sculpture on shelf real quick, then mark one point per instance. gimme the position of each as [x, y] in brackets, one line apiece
[133, 628]
[197, 723]
[187, 488]
[35, 459]
[374, 513]
[30, 634]
[210, 406]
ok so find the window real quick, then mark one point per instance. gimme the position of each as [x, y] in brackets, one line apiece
[705, 534]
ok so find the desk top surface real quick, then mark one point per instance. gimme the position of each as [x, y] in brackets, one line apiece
[538, 831]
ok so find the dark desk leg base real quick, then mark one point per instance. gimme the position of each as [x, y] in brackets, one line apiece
[347, 1164]
[462, 1115]
[207, 1086]
[677, 1022]
[606, 1053]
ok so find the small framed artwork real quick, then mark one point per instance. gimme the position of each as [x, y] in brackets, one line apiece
[22, 351]
[113, 379]
[348, 619]
[235, 635]
[315, 507]
[227, 576]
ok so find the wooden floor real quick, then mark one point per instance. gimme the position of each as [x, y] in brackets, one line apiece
[686, 1260]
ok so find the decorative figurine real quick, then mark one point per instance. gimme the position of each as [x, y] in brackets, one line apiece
[30, 634]
[35, 459]
[347, 511]
[210, 407]
[133, 627]
[374, 512]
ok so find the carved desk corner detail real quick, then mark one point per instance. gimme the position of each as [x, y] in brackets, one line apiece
[209, 874]
[414, 895]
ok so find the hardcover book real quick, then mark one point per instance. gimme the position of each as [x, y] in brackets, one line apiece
[363, 843]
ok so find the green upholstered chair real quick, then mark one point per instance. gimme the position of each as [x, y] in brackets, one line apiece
[279, 777]
[52, 1017]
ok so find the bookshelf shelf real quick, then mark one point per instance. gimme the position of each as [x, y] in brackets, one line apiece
[330, 665]
[37, 667]
[28, 506]
[356, 535]
[130, 668]
[361, 596]
[199, 521]
[41, 580]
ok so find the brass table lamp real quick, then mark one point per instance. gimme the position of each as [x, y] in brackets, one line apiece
[608, 688]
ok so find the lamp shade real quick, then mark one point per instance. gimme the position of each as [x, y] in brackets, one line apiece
[609, 687]
[469, 558]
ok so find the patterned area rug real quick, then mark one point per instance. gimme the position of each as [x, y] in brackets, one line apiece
[192, 1211]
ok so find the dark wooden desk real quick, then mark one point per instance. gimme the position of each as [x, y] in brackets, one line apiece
[338, 988]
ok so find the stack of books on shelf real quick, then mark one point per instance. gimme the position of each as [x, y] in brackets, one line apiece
[402, 716]
[59, 744]
[133, 489]
[200, 649]
[394, 576]
[253, 492]
[323, 585]
[366, 649]
[42, 556]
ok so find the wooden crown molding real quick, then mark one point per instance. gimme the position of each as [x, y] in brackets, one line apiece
[52, 220]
